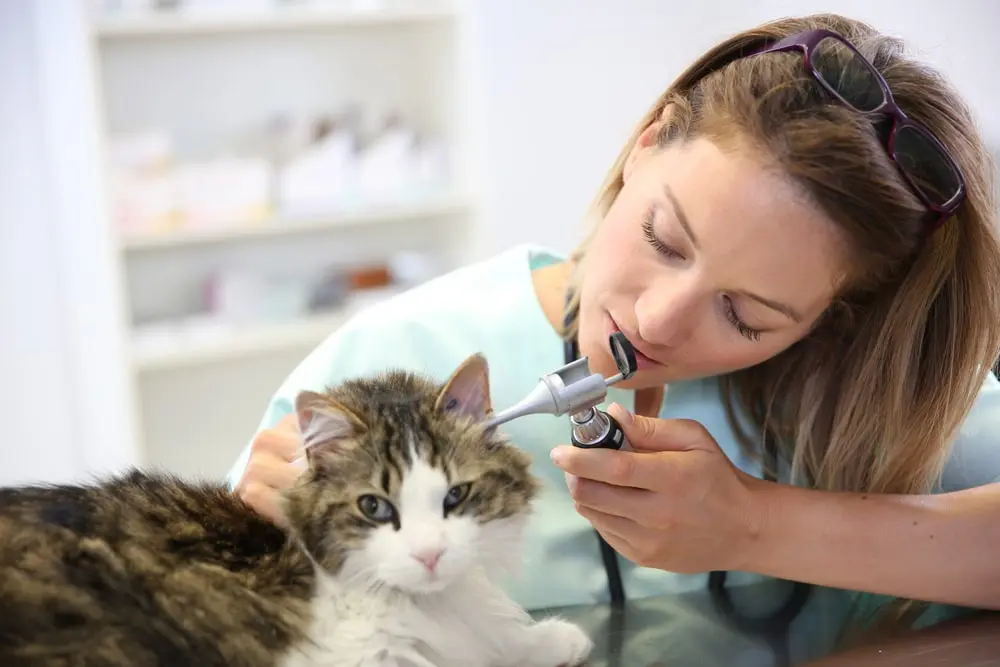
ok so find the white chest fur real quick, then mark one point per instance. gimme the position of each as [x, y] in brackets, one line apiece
[471, 624]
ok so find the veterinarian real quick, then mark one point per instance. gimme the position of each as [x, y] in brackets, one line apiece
[800, 243]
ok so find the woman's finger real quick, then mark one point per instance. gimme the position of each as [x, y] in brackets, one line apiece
[282, 440]
[265, 501]
[615, 500]
[623, 469]
[654, 434]
[622, 529]
[272, 471]
[622, 534]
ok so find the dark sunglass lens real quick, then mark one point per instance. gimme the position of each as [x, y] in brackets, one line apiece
[929, 169]
[848, 74]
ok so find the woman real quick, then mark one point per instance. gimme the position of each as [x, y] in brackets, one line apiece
[818, 288]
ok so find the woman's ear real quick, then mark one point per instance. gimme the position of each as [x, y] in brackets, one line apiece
[649, 139]
[646, 141]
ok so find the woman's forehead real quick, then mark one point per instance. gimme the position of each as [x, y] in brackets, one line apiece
[755, 230]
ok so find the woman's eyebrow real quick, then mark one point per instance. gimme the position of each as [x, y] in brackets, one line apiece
[782, 308]
[681, 216]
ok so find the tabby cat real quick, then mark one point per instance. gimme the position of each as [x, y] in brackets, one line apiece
[406, 513]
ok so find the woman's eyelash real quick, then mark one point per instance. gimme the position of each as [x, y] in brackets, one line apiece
[647, 231]
[734, 319]
[651, 238]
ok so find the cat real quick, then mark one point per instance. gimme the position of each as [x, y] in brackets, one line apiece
[396, 532]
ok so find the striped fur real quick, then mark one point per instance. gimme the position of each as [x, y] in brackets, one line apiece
[392, 528]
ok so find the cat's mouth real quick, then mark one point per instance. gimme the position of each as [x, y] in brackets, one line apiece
[427, 579]
[433, 584]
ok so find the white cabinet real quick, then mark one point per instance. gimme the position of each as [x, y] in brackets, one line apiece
[272, 167]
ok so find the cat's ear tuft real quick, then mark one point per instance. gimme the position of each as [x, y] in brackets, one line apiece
[467, 391]
[323, 422]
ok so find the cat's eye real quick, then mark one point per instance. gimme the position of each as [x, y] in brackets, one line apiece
[455, 496]
[377, 508]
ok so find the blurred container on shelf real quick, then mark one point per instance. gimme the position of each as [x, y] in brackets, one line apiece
[319, 176]
[289, 168]
[247, 312]
[410, 269]
[222, 192]
[245, 297]
[141, 182]
[342, 170]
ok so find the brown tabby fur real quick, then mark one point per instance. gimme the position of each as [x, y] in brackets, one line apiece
[147, 569]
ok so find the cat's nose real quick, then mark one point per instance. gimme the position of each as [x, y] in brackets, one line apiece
[429, 557]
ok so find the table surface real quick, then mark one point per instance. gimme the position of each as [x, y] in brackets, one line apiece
[687, 631]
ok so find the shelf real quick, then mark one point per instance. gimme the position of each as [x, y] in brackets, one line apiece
[288, 19]
[358, 217]
[218, 344]
[234, 344]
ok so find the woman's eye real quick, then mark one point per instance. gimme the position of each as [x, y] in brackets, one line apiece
[746, 331]
[377, 508]
[455, 496]
[653, 240]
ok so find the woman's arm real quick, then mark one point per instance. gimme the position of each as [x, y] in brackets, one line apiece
[941, 548]
[968, 642]
[681, 505]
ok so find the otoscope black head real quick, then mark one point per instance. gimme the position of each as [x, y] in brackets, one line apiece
[623, 354]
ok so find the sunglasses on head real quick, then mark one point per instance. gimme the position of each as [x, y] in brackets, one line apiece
[850, 78]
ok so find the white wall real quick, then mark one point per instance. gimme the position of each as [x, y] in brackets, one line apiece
[64, 400]
[565, 81]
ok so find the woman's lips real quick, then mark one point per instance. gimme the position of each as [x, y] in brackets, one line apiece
[641, 360]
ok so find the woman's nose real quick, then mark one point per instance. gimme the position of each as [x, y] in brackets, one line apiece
[666, 314]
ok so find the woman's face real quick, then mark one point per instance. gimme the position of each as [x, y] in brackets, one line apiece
[708, 262]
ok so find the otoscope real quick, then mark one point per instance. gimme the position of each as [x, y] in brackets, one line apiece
[575, 390]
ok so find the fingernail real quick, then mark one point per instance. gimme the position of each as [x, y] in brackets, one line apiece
[571, 481]
[621, 412]
[558, 455]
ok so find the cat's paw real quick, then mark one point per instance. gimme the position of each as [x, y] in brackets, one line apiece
[559, 643]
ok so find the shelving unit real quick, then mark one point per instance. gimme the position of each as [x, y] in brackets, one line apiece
[439, 204]
[207, 80]
[232, 343]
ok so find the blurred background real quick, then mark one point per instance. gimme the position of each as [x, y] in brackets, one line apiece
[194, 193]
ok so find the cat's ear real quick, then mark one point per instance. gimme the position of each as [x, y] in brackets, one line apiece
[467, 391]
[323, 421]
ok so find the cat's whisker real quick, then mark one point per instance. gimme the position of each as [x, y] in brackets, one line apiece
[365, 575]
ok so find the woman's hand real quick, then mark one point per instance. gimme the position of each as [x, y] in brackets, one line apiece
[271, 468]
[677, 503]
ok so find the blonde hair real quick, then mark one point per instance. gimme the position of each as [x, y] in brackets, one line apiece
[871, 399]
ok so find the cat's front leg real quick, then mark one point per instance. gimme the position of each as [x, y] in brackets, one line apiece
[551, 642]
[522, 641]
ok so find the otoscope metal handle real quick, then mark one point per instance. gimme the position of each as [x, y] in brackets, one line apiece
[596, 429]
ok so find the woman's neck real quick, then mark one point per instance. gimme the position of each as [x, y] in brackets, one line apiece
[551, 283]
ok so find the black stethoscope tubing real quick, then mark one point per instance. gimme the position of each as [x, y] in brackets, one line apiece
[774, 627]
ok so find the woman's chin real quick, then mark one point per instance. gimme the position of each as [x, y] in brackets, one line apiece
[646, 379]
